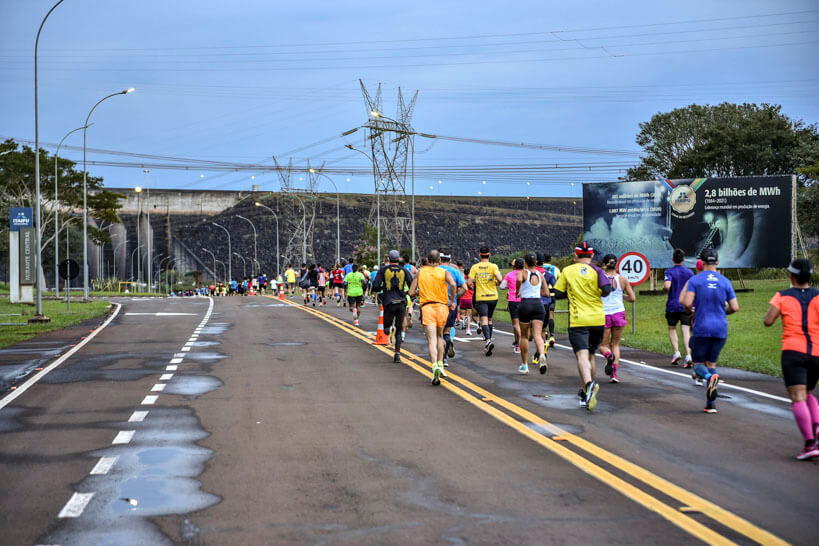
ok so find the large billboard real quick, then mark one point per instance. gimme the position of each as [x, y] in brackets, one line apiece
[747, 219]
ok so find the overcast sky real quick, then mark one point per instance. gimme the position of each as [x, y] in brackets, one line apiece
[241, 81]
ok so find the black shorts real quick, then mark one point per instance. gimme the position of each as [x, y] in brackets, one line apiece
[800, 369]
[552, 305]
[352, 300]
[706, 349]
[338, 285]
[586, 338]
[485, 308]
[513, 307]
[673, 317]
[321, 289]
[530, 309]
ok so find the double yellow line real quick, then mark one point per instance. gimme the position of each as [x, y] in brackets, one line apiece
[558, 439]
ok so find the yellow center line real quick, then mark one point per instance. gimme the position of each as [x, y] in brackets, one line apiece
[690, 501]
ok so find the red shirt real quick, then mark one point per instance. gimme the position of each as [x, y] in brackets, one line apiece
[338, 276]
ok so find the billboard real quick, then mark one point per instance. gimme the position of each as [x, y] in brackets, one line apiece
[747, 219]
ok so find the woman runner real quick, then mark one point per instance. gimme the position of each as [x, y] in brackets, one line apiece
[530, 287]
[615, 311]
[510, 283]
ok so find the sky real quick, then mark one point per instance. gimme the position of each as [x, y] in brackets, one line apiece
[240, 82]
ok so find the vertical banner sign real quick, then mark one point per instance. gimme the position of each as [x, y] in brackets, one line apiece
[27, 256]
[20, 217]
[748, 220]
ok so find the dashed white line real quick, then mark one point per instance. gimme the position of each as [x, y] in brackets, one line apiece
[75, 505]
[124, 437]
[137, 416]
[104, 465]
[149, 400]
[172, 368]
[159, 387]
[176, 361]
[179, 355]
[186, 349]
[166, 377]
[188, 344]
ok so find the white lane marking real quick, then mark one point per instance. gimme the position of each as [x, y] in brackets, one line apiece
[186, 349]
[179, 355]
[176, 361]
[159, 387]
[104, 465]
[166, 377]
[138, 416]
[75, 505]
[172, 368]
[162, 314]
[188, 344]
[6, 400]
[149, 400]
[124, 437]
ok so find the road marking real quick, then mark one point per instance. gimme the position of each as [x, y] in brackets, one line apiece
[6, 400]
[161, 314]
[149, 400]
[171, 368]
[685, 497]
[188, 344]
[104, 465]
[176, 361]
[186, 349]
[193, 338]
[179, 355]
[75, 505]
[124, 437]
[137, 416]
[166, 377]
[159, 387]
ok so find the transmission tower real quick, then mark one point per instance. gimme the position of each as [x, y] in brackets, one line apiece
[296, 219]
[390, 149]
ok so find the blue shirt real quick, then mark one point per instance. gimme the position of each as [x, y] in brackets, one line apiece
[348, 268]
[678, 275]
[457, 276]
[711, 291]
[549, 277]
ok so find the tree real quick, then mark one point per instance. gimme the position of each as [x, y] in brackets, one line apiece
[808, 200]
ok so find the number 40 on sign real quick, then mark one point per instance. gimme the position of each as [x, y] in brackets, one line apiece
[634, 267]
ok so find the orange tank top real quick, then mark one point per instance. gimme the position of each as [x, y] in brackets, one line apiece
[432, 285]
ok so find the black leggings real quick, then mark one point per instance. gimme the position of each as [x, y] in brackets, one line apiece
[394, 313]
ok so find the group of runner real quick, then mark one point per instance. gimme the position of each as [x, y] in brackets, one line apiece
[243, 287]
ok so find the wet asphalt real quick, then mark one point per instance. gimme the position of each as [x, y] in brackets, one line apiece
[277, 427]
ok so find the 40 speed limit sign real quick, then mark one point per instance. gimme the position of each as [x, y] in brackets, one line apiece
[634, 267]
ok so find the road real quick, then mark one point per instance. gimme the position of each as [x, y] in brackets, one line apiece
[249, 420]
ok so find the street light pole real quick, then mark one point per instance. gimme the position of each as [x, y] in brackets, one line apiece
[215, 274]
[276, 216]
[132, 263]
[57, 213]
[254, 274]
[85, 192]
[138, 191]
[377, 199]
[150, 232]
[338, 217]
[230, 253]
[244, 264]
[224, 269]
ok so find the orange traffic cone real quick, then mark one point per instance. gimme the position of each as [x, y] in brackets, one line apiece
[380, 337]
[281, 292]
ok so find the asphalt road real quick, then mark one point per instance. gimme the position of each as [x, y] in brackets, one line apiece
[273, 423]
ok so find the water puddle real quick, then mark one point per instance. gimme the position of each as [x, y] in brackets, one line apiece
[205, 343]
[196, 355]
[286, 343]
[9, 421]
[215, 328]
[192, 386]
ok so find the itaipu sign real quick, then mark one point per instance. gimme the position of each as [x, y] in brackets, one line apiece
[20, 218]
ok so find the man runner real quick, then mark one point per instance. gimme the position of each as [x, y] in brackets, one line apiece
[391, 283]
[673, 282]
[584, 285]
[486, 277]
[460, 283]
[433, 285]
[354, 284]
[554, 271]
[713, 296]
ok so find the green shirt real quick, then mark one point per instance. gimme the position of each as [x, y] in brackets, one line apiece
[354, 282]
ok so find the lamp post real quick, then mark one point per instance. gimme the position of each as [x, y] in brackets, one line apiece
[132, 263]
[338, 217]
[85, 192]
[276, 216]
[230, 253]
[212, 255]
[224, 269]
[57, 213]
[244, 264]
[252, 267]
[158, 256]
[116, 248]
[169, 258]
[150, 232]
[138, 191]
[377, 201]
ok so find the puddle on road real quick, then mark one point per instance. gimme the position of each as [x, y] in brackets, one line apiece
[205, 343]
[196, 355]
[216, 328]
[192, 386]
[9, 421]
[286, 343]
[95, 368]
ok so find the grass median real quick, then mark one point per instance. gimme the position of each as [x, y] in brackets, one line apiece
[751, 346]
[14, 326]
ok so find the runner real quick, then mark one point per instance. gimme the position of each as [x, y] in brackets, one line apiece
[460, 284]
[673, 282]
[713, 296]
[322, 284]
[510, 283]
[391, 284]
[554, 271]
[584, 285]
[548, 302]
[486, 277]
[433, 285]
[530, 287]
[290, 274]
[338, 284]
[354, 285]
[615, 311]
[799, 308]
[311, 284]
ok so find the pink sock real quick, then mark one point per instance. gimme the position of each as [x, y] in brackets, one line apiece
[813, 408]
[803, 421]
[607, 354]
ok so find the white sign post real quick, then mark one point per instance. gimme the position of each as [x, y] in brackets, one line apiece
[636, 269]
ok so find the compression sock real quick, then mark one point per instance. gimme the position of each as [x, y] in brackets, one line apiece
[702, 371]
[813, 408]
[447, 340]
[487, 335]
[490, 331]
[803, 421]
[551, 326]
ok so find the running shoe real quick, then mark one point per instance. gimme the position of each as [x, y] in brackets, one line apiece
[610, 363]
[808, 453]
[436, 374]
[711, 389]
[544, 365]
[591, 395]
[392, 336]
[687, 362]
[489, 347]
[446, 364]
[468, 332]
[338, 303]
[523, 369]
[614, 378]
[396, 358]
[450, 350]
[535, 359]
[697, 379]
[355, 322]
[443, 372]
[516, 349]
[551, 341]
[710, 409]
[675, 360]
[403, 336]
[581, 394]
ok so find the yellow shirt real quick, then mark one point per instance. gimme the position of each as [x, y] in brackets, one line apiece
[485, 275]
[291, 275]
[432, 285]
[582, 283]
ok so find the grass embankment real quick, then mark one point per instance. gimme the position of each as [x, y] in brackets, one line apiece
[54, 309]
[751, 346]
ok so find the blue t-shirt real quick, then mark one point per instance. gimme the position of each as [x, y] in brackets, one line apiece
[678, 275]
[457, 276]
[549, 277]
[711, 291]
[348, 268]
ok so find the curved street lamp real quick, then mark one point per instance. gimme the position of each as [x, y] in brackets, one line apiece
[276, 216]
[230, 253]
[57, 212]
[212, 255]
[338, 217]
[244, 264]
[254, 243]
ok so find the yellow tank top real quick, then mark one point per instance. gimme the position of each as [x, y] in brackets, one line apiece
[432, 285]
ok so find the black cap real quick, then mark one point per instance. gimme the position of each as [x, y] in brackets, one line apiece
[801, 267]
[584, 249]
[709, 256]
[610, 259]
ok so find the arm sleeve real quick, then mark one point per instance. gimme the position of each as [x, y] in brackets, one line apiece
[379, 278]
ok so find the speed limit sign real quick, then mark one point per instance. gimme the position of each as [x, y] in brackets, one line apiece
[634, 267]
